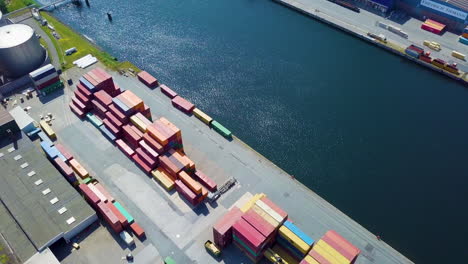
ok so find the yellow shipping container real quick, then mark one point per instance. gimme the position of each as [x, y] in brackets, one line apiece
[252, 201]
[326, 254]
[337, 255]
[310, 260]
[163, 178]
[47, 129]
[284, 255]
[458, 55]
[265, 216]
[294, 239]
[138, 123]
[202, 116]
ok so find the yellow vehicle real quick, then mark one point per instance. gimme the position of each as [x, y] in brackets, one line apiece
[458, 55]
[432, 45]
[212, 249]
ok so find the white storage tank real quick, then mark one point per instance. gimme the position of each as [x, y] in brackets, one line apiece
[20, 50]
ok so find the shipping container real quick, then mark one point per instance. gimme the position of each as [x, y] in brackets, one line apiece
[64, 168]
[182, 104]
[154, 132]
[222, 229]
[84, 91]
[103, 190]
[293, 251]
[167, 91]
[251, 202]
[131, 137]
[284, 254]
[43, 137]
[131, 100]
[64, 151]
[309, 241]
[137, 230]
[43, 74]
[113, 129]
[275, 207]
[309, 260]
[463, 40]
[114, 120]
[221, 129]
[94, 120]
[141, 163]
[122, 219]
[253, 259]
[148, 150]
[152, 163]
[185, 192]
[205, 180]
[121, 106]
[143, 119]
[76, 166]
[169, 166]
[124, 148]
[107, 133]
[345, 244]
[147, 79]
[319, 258]
[248, 234]
[118, 114]
[46, 68]
[50, 151]
[124, 212]
[103, 98]
[246, 247]
[99, 107]
[98, 193]
[153, 143]
[294, 240]
[137, 131]
[47, 130]
[412, 53]
[265, 216]
[458, 55]
[138, 123]
[332, 252]
[110, 217]
[88, 194]
[202, 116]
[328, 256]
[191, 183]
[260, 224]
[87, 84]
[76, 110]
[48, 80]
[164, 178]
[79, 104]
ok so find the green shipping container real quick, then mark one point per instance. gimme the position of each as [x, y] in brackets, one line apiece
[221, 129]
[94, 120]
[124, 212]
[87, 180]
[245, 246]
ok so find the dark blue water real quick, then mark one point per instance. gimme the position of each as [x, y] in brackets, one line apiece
[381, 138]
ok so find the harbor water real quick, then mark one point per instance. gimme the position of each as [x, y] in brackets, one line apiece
[379, 137]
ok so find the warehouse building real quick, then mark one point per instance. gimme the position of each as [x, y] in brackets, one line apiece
[38, 206]
[453, 13]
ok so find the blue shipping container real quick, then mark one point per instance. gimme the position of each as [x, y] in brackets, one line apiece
[463, 40]
[107, 133]
[87, 84]
[123, 107]
[44, 137]
[309, 241]
[412, 53]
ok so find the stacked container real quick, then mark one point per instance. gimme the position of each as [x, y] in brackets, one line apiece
[111, 219]
[249, 240]
[164, 178]
[89, 195]
[293, 240]
[65, 169]
[147, 79]
[165, 133]
[46, 79]
[333, 248]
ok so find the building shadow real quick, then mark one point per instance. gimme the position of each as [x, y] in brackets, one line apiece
[47, 98]
[398, 17]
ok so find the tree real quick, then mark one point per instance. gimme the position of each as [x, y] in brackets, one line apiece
[3, 6]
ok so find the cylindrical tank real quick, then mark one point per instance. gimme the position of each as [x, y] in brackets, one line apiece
[20, 50]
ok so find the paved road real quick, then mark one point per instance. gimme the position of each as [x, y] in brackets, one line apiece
[172, 226]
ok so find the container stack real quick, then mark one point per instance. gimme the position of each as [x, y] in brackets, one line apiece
[464, 36]
[249, 240]
[46, 79]
[332, 248]
[147, 79]
[433, 26]
[294, 241]
[222, 230]
[165, 133]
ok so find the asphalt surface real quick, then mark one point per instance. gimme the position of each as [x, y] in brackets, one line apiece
[172, 226]
[366, 21]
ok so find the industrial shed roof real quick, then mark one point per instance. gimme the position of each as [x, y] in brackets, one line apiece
[21, 117]
[463, 4]
[29, 216]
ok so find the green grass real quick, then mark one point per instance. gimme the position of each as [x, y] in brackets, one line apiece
[69, 39]
[12, 5]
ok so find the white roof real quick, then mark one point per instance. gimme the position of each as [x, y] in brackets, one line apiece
[21, 117]
[14, 35]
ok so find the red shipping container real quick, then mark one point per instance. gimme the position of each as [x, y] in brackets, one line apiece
[148, 150]
[153, 143]
[249, 235]
[130, 136]
[137, 230]
[76, 110]
[139, 161]
[342, 250]
[177, 163]
[68, 156]
[103, 98]
[167, 91]
[124, 148]
[186, 192]
[147, 79]
[170, 167]
[122, 219]
[314, 254]
[345, 244]
[84, 91]
[137, 131]
[275, 208]
[206, 181]
[430, 28]
[88, 194]
[81, 97]
[110, 217]
[222, 229]
[49, 82]
[146, 111]
[183, 104]
[91, 79]
[118, 114]
[146, 158]
[99, 107]
[259, 223]
[64, 168]
[143, 118]
[113, 129]
[79, 104]
[103, 190]
[116, 122]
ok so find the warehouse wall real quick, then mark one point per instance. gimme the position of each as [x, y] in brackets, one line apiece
[80, 227]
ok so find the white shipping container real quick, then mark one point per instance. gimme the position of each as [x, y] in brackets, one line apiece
[270, 211]
[41, 70]
[382, 25]
[127, 238]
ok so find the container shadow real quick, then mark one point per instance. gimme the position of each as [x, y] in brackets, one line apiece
[52, 96]
[201, 209]
[232, 255]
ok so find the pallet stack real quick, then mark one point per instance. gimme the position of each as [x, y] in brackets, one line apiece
[46, 79]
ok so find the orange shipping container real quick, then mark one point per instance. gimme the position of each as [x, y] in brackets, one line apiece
[157, 135]
[191, 183]
[136, 101]
[76, 166]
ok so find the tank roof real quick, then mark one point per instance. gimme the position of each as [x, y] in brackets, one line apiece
[14, 35]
